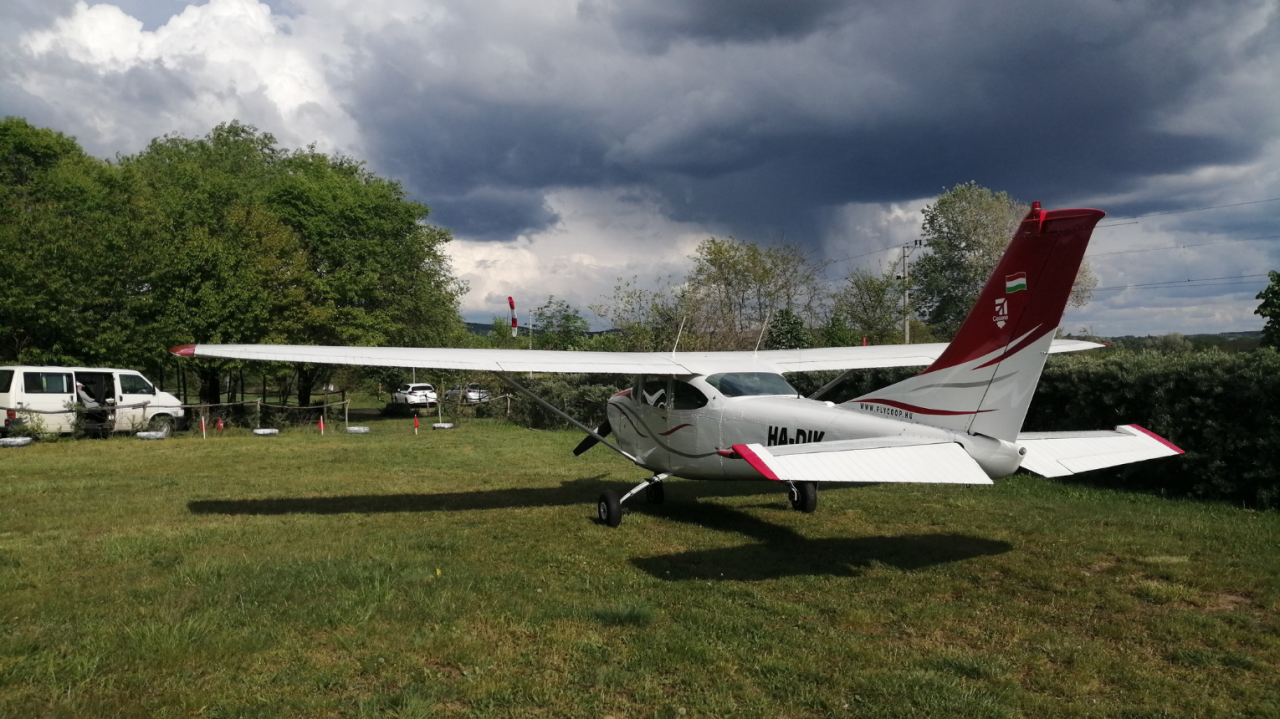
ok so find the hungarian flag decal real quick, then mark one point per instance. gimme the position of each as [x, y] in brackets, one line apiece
[1015, 282]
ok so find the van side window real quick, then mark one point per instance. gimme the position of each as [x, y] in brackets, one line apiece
[135, 384]
[6, 380]
[46, 383]
[687, 396]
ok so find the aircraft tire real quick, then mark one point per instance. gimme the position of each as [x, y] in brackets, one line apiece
[655, 493]
[804, 497]
[609, 509]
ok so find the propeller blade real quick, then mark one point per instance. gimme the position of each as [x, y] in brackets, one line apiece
[588, 442]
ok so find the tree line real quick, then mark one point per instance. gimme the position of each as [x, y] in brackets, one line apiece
[737, 295]
[227, 238]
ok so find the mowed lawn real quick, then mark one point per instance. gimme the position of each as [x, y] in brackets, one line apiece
[461, 573]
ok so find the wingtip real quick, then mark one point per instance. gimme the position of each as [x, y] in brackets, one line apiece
[183, 350]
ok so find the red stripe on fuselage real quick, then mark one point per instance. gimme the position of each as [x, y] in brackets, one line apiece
[673, 429]
[918, 410]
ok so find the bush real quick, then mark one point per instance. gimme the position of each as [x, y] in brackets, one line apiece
[1218, 406]
[576, 395]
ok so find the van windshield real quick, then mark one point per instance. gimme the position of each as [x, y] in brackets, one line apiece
[743, 384]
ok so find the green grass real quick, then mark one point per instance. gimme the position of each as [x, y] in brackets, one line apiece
[461, 574]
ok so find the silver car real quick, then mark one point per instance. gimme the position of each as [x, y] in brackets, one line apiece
[471, 394]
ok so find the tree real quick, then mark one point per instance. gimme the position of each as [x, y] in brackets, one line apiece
[966, 231]
[787, 332]
[873, 305]
[559, 326]
[1270, 308]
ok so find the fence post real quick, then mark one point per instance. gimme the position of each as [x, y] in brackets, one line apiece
[346, 410]
[259, 413]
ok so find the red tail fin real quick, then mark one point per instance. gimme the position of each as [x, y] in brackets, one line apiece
[1026, 295]
[983, 382]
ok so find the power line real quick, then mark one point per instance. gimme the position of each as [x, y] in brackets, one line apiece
[1194, 209]
[1182, 283]
[1182, 247]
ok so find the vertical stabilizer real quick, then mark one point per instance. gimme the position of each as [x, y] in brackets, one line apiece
[983, 382]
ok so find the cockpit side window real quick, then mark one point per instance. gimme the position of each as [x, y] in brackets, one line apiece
[686, 396]
[654, 392]
[745, 384]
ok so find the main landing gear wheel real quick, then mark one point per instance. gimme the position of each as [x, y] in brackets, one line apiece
[804, 496]
[654, 493]
[609, 508]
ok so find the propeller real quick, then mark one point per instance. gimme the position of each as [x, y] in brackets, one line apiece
[588, 442]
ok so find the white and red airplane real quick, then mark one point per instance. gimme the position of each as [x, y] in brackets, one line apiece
[732, 415]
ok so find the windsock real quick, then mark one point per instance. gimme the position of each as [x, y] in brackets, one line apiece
[514, 330]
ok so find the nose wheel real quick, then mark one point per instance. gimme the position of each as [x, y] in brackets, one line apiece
[609, 506]
[803, 496]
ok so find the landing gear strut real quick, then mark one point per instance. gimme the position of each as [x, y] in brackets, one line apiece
[803, 496]
[609, 507]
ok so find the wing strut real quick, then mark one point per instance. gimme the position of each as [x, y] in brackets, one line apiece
[556, 410]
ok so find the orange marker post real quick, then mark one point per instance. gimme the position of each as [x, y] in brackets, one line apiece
[321, 425]
[415, 424]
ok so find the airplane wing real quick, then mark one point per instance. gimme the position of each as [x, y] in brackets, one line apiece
[1058, 454]
[886, 459]
[656, 363]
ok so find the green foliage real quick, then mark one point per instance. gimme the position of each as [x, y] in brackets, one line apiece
[967, 230]
[1219, 407]
[582, 397]
[787, 332]
[559, 326]
[226, 238]
[873, 304]
[1270, 308]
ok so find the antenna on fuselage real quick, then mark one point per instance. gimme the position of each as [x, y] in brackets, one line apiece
[678, 333]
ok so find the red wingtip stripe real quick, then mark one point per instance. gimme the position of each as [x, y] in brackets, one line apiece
[1159, 439]
[184, 350]
[754, 460]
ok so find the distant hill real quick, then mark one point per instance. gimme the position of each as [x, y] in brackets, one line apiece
[1175, 342]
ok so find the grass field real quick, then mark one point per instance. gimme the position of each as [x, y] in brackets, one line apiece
[462, 573]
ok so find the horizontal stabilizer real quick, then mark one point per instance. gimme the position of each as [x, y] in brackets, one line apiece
[889, 459]
[1058, 454]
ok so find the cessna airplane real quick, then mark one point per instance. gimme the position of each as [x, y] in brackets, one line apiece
[732, 415]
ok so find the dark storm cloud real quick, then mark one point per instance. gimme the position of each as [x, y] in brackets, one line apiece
[659, 23]
[1049, 104]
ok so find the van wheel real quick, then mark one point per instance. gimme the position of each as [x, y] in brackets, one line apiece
[161, 423]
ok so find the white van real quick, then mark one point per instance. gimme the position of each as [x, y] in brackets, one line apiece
[53, 389]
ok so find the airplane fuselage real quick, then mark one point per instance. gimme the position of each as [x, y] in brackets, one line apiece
[667, 435]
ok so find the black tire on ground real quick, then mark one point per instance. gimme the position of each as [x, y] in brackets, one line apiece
[805, 497]
[655, 493]
[162, 423]
[609, 509]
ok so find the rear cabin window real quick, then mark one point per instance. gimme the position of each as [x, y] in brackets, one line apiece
[6, 380]
[744, 384]
[135, 384]
[686, 396]
[46, 383]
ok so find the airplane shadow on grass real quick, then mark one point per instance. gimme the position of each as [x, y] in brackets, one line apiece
[778, 551]
[782, 552]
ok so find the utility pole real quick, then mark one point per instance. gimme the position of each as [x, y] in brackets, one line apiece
[905, 276]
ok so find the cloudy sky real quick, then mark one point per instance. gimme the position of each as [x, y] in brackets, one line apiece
[568, 143]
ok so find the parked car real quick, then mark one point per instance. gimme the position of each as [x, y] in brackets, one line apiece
[471, 394]
[415, 394]
[118, 400]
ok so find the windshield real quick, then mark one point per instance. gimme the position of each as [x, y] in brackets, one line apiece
[742, 384]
